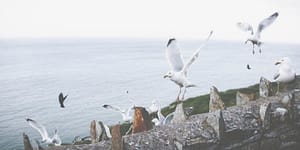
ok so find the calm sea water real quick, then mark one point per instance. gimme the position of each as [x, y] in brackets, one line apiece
[94, 72]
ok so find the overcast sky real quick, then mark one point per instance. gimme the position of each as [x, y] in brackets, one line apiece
[147, 19]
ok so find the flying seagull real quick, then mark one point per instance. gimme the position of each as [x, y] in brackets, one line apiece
[43, 132]
[178, 74]
[61, 99]
[255, 38]
[125, 113]
[286, 72]
[248, 67]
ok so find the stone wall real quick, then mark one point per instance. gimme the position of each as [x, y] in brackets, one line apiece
[271, 122]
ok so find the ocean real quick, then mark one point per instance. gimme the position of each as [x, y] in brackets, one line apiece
[97, 71]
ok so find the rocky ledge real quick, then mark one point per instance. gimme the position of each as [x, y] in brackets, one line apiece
[261, 120]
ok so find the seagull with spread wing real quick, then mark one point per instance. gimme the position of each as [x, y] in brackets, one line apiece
[255, 38]
[43, 132]
[178, 74]
[162, 120]
[124, 112]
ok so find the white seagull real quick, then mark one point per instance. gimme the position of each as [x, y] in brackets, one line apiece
[124, 112]
[255, 38]
[286, 72]
[100, 132]
[178, 74]
[162, 120]
[43, 132]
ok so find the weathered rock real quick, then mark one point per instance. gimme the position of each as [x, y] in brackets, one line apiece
[243, 98]
[215, 101]
[103, 145]
[265, 115]
[141, 121]
[247, 127]
[179, 115]
[116, 138]
[93, 132]
[216, 121]
[265, 88]
[26, 141]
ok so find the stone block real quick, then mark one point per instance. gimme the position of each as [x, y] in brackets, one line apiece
[116, 138]
[215, 101]
[179, 115]
[141, 121]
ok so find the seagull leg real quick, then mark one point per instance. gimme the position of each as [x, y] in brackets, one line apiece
[177, 99]
[253, 49]
[184, 90]
[259, 49]
[277, 88]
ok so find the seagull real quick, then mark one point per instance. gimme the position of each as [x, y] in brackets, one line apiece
[255, 39]
[248, 67]
[61, 99]
[125, 113]
[43, 132]
[162, 120]
[178, 74]
[286, 72]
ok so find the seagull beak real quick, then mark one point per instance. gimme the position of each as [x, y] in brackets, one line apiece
[277, 63]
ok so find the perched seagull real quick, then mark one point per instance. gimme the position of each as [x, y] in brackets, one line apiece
[43, 132]
[125, 113]
[178, 74]
[61, 99]
[255, 38]
[162, 120]
[286, 72]
[153, 107]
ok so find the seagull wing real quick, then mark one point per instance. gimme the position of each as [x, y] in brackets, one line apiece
[169, 118]
[265, 23]
[61, 99]
[115, 108]
[196, 54]
[107, 130]
[39, 127]
[160, 116]
[128, 111]
[65, 97]
[276, 76]
[56, 139]
[174, 56]
[245, 27]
